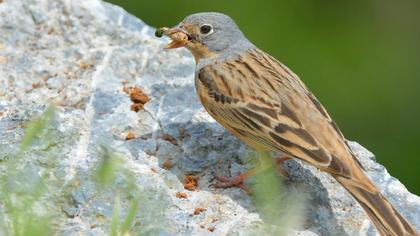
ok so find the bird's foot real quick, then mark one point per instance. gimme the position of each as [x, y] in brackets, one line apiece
[229, 182]
[238, 181]
[280, 161]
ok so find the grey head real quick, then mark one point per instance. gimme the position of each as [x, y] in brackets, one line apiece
[216, 32]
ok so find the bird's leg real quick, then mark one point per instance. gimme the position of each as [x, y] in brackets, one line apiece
[238, 180]
[280, 161]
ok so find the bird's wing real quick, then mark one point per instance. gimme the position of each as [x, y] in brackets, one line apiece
[265, 104]
[255, 96]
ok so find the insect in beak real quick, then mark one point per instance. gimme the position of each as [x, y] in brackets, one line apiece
[179, 36]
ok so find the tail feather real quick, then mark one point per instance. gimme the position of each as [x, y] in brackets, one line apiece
[387, 220]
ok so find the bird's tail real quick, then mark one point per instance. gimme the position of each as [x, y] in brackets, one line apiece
[385, 217]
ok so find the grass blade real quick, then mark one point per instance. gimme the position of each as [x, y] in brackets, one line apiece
[115, 216]
[130, 216]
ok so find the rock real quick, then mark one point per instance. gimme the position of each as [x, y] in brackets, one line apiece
[80, 55]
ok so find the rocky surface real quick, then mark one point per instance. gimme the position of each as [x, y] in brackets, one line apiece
[100, 65]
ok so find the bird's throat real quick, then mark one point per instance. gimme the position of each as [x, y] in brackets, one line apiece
[200, 51]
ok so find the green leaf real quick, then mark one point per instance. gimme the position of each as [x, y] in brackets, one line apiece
[130, 216]
[279, 209]
[36, 126]
[115, 216]
[108, 167]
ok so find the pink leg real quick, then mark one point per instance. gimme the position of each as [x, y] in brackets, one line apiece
[236, 181]
[280, 161]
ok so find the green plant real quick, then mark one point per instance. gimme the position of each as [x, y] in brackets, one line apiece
[281, 211]
[32, 198]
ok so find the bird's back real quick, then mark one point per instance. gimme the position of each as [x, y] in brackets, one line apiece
[266, 105]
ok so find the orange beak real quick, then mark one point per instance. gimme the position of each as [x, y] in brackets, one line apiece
[179, 37]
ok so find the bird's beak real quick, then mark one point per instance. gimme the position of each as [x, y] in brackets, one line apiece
[179, 37]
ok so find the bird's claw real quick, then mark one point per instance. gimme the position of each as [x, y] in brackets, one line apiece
[280, 161]
[229, 182]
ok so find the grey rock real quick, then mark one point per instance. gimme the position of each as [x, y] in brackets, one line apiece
[79, 55]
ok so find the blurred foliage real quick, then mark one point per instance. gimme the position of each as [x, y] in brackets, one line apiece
[281, 210]
[32, 198]
[109, 174]
[22, 188]
[36, 126]
[361, 59]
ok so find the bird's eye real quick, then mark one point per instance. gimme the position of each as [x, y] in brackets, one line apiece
[206, 29]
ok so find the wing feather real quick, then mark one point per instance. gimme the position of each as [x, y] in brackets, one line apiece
[267, 106]
[287, 118]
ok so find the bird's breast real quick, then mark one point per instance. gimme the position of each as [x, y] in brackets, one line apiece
[212, 108]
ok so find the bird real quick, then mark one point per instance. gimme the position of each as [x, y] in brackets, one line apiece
[266, 105]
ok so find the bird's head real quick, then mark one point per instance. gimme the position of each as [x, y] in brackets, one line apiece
[209, 34]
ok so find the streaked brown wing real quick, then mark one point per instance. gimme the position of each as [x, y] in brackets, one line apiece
[267, 106]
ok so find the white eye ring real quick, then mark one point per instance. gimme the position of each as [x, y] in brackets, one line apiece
[206, 29]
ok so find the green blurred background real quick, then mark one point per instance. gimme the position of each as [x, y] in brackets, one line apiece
[361, 58]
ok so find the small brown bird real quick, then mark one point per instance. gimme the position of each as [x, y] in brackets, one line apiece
[267, 106]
